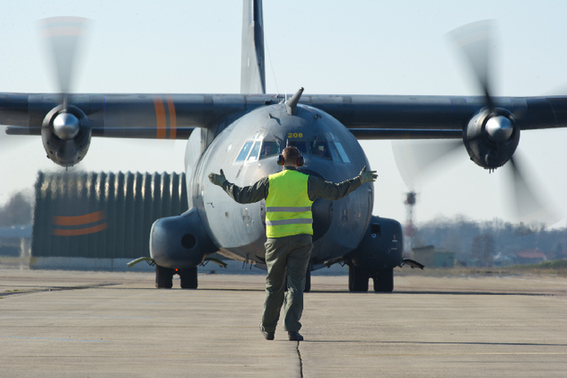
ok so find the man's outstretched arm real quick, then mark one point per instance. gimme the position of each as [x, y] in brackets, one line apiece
[319, 188]
[247, 194]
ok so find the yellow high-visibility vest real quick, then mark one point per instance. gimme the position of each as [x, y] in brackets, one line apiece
[288, 207]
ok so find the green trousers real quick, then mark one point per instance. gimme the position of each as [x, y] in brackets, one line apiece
[286, 257]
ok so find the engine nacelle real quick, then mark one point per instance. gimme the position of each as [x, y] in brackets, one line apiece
[381, 247]
[66, 135]
[180, 242]
[491, 137]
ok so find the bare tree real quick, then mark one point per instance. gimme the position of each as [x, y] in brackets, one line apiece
[17, 211]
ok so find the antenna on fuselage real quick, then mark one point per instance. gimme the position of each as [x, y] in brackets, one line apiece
[291, 104]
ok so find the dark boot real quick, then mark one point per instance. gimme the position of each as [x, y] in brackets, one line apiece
[294, 336]
[267, 335]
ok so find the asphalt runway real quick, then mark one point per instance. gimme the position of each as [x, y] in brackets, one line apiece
[99, 324]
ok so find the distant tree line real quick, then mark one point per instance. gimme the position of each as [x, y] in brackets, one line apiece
[489, 241]
[17, 211]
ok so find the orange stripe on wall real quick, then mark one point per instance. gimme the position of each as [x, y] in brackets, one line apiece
[82, 231]
[172, 118]
[78, 220]
[160, 118]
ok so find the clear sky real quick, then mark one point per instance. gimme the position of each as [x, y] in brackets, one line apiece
[331, 46]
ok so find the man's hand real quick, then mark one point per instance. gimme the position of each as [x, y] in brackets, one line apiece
[217, 179]
[367, 176]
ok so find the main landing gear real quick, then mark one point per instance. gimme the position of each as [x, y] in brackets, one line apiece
[307, 287]
[358, 279]
[164, 277]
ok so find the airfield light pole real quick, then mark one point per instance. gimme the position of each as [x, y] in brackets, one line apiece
[409, 229]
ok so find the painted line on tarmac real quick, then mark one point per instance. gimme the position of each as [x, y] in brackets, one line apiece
[74, 317]
[458, 354]
[52, 339]
[57, 288]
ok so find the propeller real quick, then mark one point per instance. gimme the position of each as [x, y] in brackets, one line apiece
[414, 159]
[476, 42]
[529, 208]
[65, 131]
[64, 36]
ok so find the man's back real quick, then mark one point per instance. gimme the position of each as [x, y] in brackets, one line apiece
[288, 207]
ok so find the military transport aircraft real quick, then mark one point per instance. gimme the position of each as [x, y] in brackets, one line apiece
[244, 133]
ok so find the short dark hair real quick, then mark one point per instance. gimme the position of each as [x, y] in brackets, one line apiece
[291, 155]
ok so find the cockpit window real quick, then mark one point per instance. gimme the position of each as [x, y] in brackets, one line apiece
[299, 144]
[244, 151]
[338, 152]
[269, 148]
[320, 149]
[329, 150]
[255, 150]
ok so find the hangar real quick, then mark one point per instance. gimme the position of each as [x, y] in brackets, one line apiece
[100, 221]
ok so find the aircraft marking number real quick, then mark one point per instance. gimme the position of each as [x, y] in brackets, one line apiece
[295, 135]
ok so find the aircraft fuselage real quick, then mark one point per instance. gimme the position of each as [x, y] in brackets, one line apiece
[247, 150]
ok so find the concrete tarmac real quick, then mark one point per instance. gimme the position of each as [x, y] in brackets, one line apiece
[99, 324]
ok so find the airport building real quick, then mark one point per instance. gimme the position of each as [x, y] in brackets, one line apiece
[434, 258]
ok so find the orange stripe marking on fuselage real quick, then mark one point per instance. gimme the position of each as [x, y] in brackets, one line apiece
[172, 118]
[161, 126]
[78, 220]
[81, 231]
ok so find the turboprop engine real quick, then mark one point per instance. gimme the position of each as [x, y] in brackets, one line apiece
[491, 137]
[66, 135]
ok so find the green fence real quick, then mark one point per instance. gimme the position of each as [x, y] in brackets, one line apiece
[102, 215]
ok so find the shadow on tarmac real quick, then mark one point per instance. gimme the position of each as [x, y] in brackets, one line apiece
[403, 292]
[434, 343]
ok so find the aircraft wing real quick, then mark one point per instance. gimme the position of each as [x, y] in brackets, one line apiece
[174, 116]
[432, 117]
[163, 116]
[155, 116]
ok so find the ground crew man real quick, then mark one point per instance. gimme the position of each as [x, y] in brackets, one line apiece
[289, 195]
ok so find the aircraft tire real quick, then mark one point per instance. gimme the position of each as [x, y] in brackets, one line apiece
[357, 279]
[164, 277]
[188, 278]
[384, 281]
